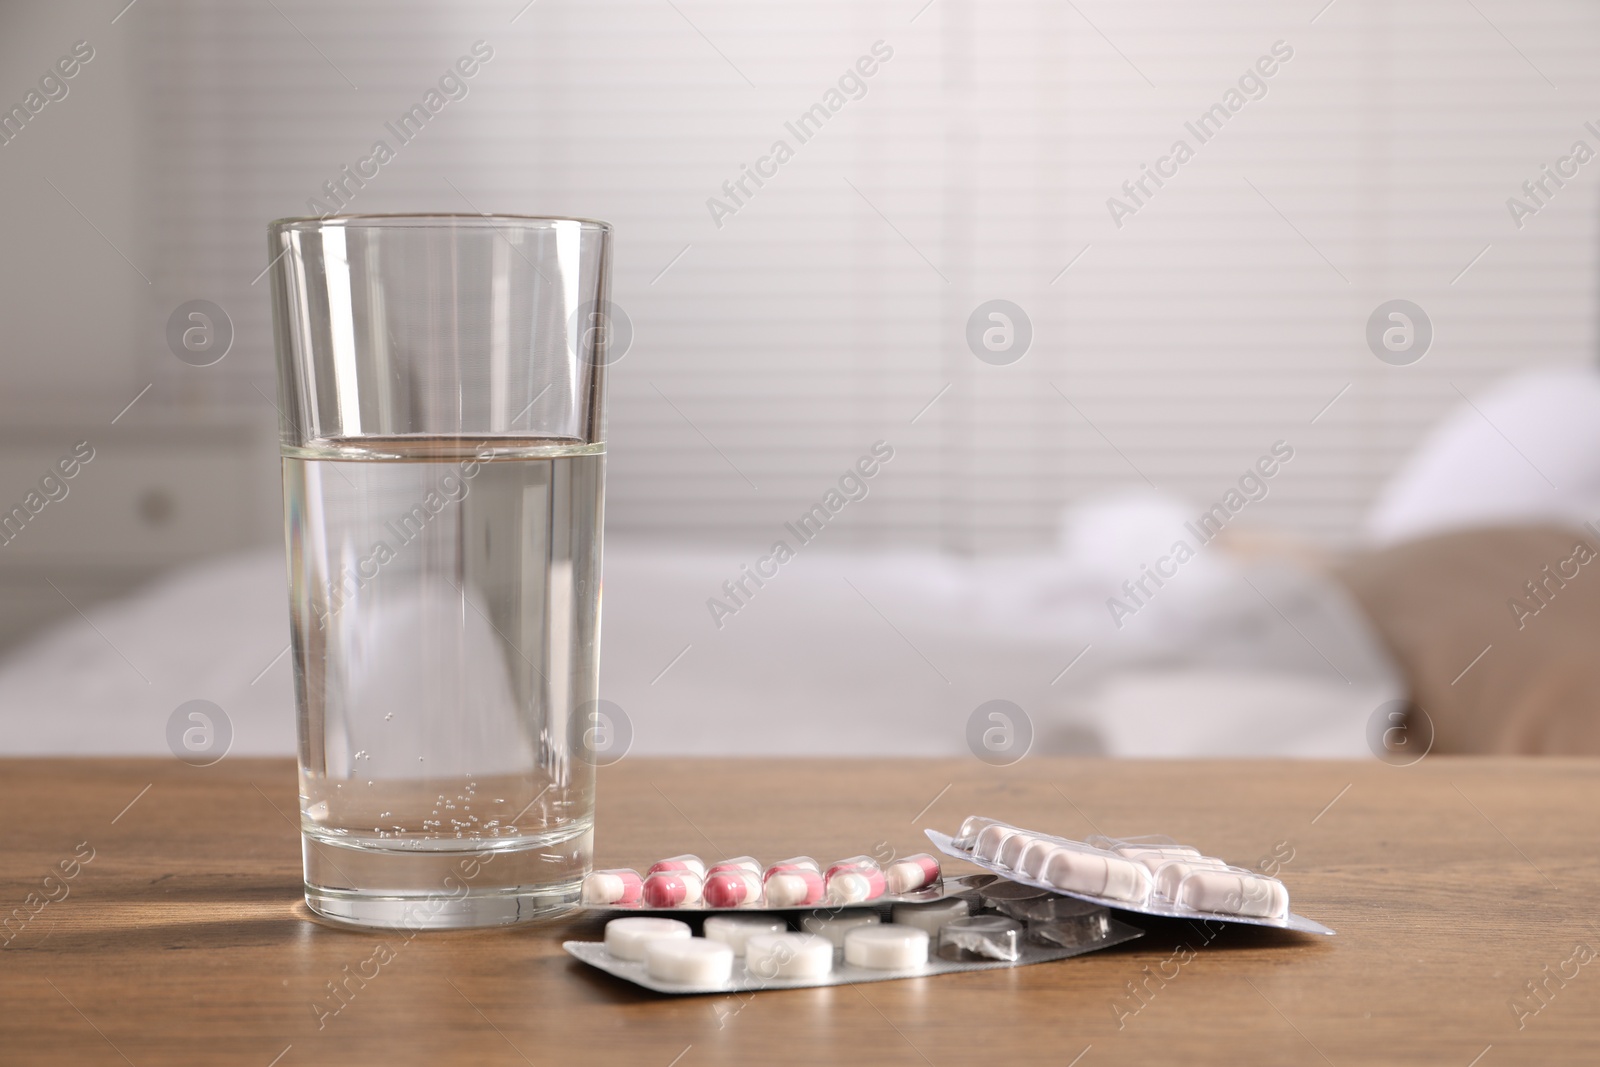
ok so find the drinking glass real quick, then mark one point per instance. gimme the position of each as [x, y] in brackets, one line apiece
[442, 392]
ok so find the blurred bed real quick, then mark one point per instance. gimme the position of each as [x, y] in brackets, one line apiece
[1255, 649]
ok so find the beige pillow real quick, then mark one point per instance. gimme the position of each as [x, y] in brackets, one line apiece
[1531, 597]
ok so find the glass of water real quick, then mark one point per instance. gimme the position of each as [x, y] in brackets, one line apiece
[442, 391]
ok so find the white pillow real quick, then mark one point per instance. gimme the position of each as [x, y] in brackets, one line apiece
[1526, 451]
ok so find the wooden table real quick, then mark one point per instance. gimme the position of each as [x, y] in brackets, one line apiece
[1453, 883]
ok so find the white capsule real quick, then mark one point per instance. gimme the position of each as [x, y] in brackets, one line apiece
[695, 961]
[1153, 856]
[1172, 873]
[626, 939]
[1113, 844]
[1233, 891]
[770, 956]
[735, 930]
[990, 838]
[1099, 874]
[835, 925]
[931, 916]
[1012, 847]
[1031, 863]
[967, 835]
[886, 947]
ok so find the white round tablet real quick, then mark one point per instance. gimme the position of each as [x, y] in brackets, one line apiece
[694, 961]
[626, 938]
[886, 947]
[735, 930]
[931, 916]
[788, 956]
[834, 925]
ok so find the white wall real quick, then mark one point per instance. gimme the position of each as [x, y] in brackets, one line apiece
[1223, 316]
[70, 302]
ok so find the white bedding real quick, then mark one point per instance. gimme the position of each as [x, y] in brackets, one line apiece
[844, 654]
[859, 654]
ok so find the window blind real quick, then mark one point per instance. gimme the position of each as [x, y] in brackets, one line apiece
[776, 342]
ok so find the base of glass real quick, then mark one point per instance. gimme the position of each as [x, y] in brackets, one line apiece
[501, 908]
[448, 885]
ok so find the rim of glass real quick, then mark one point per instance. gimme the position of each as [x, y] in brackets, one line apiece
[428, 219]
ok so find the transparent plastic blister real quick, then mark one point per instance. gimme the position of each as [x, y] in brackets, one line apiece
[688, 886]
[753, 950]
[982, 937]
[1150, 875]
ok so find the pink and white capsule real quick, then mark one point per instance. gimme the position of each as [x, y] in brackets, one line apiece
[854, 880]
[729, 887]
[912, 873]
[620, 886]
[745, 863]
[671, 889]
[693, 864]
[793, 882]
[743, 868]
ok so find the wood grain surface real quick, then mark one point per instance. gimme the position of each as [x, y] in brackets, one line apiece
[1454, 884]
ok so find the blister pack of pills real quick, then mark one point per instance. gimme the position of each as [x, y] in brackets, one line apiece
[1151, 875]
[687, 884]
[1001, 924]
